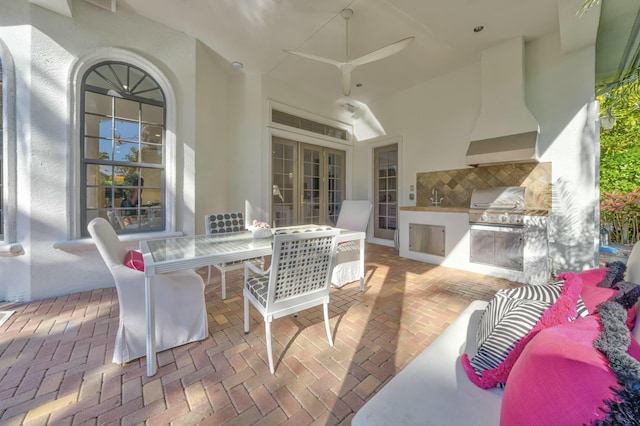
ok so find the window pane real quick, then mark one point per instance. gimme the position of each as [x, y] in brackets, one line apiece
[97, 103]
[126, 151]
[151, 154]
[95, 125]
[127, 130]
[98, 149]
[152, 114]
[151, 133]
[127, 109]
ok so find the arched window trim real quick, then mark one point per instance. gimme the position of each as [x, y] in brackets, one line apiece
[82, 66]
[9, 245]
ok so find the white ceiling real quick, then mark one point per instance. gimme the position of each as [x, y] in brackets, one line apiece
[255, 32]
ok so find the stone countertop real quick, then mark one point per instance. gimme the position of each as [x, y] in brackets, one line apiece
[439, 209]
[453, 209]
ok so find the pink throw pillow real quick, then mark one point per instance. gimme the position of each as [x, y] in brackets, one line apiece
[593, 277]
[563, 310]
[134, 260]
[560, 378]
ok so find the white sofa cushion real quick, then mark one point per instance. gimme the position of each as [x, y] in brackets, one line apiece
[434, 388]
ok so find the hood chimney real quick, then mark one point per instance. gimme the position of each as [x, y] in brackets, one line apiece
[506, 131]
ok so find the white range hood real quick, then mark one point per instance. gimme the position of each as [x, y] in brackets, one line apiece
[506, 131]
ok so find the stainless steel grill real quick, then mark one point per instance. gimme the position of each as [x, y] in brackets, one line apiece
[503, 206]
[496, 219]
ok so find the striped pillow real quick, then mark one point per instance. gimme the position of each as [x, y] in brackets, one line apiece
[509, 317]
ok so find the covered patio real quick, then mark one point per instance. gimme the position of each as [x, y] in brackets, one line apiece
[55, 364]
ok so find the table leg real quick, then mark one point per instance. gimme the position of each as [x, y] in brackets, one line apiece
[149, 302]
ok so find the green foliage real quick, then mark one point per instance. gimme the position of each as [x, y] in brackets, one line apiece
[620, 215]
[620, 162]
[619, 147]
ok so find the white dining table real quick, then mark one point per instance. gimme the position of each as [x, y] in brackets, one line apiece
[196, 251]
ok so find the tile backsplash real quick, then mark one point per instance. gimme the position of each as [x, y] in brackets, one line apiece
[456, 186]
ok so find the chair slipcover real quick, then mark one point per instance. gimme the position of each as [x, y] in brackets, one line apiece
[354, 216]
[297, 279]
[180, 312]
[222, 223]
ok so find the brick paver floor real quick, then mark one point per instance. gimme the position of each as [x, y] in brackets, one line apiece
[55, 354]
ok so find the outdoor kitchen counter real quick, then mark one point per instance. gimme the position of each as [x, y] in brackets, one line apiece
[444, 209]
[447, 209]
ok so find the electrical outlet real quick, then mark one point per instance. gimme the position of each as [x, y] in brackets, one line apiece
[411, 196]
[411, 187]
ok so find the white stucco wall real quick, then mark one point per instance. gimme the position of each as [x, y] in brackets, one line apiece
[213, 143]
[222, 142]
[435, 119]
[45, 54]
[560, 93]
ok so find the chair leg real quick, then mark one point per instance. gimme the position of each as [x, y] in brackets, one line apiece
[224, 286]
[246, 315]
[267, 329]
[325, 308]
[209, 275]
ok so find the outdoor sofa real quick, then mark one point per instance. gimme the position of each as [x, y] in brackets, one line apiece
[436, 389]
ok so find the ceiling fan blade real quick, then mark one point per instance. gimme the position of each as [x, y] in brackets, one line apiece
[383, 52]
[315, 58]
[346, 78]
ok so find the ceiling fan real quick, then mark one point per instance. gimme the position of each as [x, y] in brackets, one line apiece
[349, 65]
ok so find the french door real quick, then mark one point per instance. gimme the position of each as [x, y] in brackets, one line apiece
[386, 191]
[308, 183]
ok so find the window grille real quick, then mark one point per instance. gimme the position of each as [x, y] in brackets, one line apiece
[122, 146]
[308, 125]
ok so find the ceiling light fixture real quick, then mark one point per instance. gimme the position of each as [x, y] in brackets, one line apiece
[237, 65]
[478, 28]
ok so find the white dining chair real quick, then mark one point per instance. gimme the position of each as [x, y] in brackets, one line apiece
[221, 223]
[354, 216]
[181, 315]
[297, 279]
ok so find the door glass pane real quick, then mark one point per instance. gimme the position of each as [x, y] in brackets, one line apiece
[336, 183]
[386, 170]
[283, 171]
[315, 194]
[311, 185]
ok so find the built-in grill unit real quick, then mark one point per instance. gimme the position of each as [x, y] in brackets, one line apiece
[496, 221]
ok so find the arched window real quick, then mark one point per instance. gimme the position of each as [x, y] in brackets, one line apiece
[122, 148]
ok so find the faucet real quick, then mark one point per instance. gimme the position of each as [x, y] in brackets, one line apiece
[435, 201]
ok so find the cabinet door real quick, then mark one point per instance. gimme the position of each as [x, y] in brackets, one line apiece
[509, 250]
[482, 246]
[429, 239]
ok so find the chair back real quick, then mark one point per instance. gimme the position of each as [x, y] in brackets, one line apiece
[301, 267]
[111, 249]
[224, 222]
[354, 215]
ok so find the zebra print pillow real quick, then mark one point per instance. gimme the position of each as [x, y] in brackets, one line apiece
[509, 317]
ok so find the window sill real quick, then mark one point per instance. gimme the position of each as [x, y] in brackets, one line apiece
[86, 244]
[11, 249]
